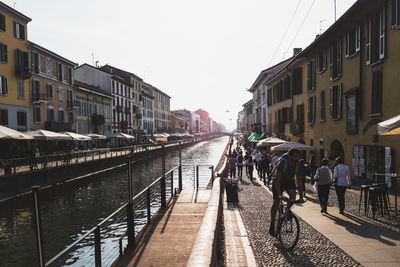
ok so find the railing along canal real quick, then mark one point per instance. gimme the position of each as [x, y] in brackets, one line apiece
[109, 239]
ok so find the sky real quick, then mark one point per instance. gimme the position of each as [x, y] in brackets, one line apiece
[203, 53]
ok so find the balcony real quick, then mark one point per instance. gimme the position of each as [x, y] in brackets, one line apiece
[72, 104]
[123, 125]
[23, 72]
[296, 128]
[39, 98]
[119, 108]
[279, 128]
[127, 110]
[57, 126]
[139, 116]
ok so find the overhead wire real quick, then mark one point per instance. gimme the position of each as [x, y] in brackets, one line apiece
[301, 25]
[286, 31]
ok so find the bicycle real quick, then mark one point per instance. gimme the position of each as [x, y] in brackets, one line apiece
[288, 227]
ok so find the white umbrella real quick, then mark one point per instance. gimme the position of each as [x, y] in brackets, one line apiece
[286, 146]
[390, 126]
[122, 136]
[78, 137]
[270, 141]
[7, 133]
[96, 136]
[48, 135]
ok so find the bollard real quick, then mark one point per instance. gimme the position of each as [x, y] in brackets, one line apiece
[129, 208]
[180, 168]
[163, 200]
[97, 247]
[38, 224]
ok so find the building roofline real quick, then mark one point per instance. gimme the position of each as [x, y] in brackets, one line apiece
[127, 72]
[45, 50]
[93, 67]
[14, 11]
[94, 89]
[155, 88]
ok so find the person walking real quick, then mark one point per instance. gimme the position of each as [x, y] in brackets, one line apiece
[264, 167]
[312, 165]
[240, 164]
[341, 174]
[250, 167]
[257, 162]
[301, 172]
[232, 162]
[323, 178]
[245, 161]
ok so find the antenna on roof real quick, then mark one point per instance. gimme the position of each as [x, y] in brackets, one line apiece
[335, 9]
[92, 59]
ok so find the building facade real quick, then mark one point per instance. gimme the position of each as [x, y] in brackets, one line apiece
[147, 104]
[51, 90]
[179, 122]
[94, 109]
[162, 117]
[15, 70]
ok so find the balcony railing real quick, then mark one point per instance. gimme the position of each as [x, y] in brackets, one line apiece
[23, 72]
[119, 108]
[127, 110]
[279, 128]
[72, 103]
[37, 98]
[296, 128]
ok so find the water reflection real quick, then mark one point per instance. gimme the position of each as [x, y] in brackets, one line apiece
[71, 210]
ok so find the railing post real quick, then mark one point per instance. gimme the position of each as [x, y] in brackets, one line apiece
[212, 173]
[38, 225]
[97, 247]
[180, 168]
[148, 205]
[197, 177]
[163, 199]
[172, 184]
[129, 208]
[85, 156]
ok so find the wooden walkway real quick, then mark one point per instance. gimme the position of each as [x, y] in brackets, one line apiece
[171, 236]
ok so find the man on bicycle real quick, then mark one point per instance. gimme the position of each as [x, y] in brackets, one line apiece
[284, 181]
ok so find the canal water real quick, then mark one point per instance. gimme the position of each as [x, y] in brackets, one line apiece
[70, 210]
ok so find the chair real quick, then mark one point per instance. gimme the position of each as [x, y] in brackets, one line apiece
[364, 191]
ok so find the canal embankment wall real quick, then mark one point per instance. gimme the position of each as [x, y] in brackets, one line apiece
[21, 183]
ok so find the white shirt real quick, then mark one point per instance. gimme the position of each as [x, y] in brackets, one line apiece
[342, 173]
[274, 158]
[258, 157]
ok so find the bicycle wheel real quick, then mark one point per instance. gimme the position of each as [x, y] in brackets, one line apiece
[288, 230]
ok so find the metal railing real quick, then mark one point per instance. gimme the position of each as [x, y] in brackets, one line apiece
[108, 240]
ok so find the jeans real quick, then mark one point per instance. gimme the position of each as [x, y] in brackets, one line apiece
[323, 195]
[240, 170]
[340, 191]
[232, 172]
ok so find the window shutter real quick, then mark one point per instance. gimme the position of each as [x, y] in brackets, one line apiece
[331, 62]
[2, 22]
[15, 29]
[309, 110]
[314, 112]
[308, 76]
[22, 32]
[339, 102]
[382, 29]
[339, 57]
[331, 103]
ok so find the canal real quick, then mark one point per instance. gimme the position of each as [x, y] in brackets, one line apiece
[70, 210]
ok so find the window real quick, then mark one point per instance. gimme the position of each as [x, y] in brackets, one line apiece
[69, 75]
[59, 72]
[336, 102]
[311, 75]
[377, 85]
[336, 59]
[351, 111]
[300, 116]
[35, 63]
[49, 67]
[22, 61]
[352, 44]
[297, 81]
[3, 85]
[321, 61]
[4, 117]
[19, 31]
[2, 23]
[60, 93]
[3, 53]
[50, 113]
[61, 114]
[395, 8]
[286, 85]
[37, 114]
[21, 118]
[375, 36]
[21, 89]
[322, 106]
[70, 117]
[311, 109]
[49, 90]
[36, 88]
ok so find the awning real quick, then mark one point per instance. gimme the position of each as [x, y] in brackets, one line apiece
[270, 141]
[255, 137]
[390, 126]
[122, 136]
[96, 136]
[78, 137]
[7, 133]
[48, 135]
[286, 146]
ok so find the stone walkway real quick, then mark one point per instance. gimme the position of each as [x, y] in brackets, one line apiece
[313, 249]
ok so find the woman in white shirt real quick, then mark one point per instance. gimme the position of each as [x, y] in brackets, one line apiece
[341, 175]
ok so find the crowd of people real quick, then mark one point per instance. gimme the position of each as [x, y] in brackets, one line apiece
[288, 172]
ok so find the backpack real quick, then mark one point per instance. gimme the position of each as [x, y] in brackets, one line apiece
[285, 157]
[240, 159]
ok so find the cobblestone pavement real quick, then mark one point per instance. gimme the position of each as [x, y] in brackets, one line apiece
[352, 204]
[313, 249]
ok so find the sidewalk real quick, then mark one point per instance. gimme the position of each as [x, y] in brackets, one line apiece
[331, 239]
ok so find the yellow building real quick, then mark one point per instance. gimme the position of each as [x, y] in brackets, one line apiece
[51, 90]
[162, 117]
[14, 69]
